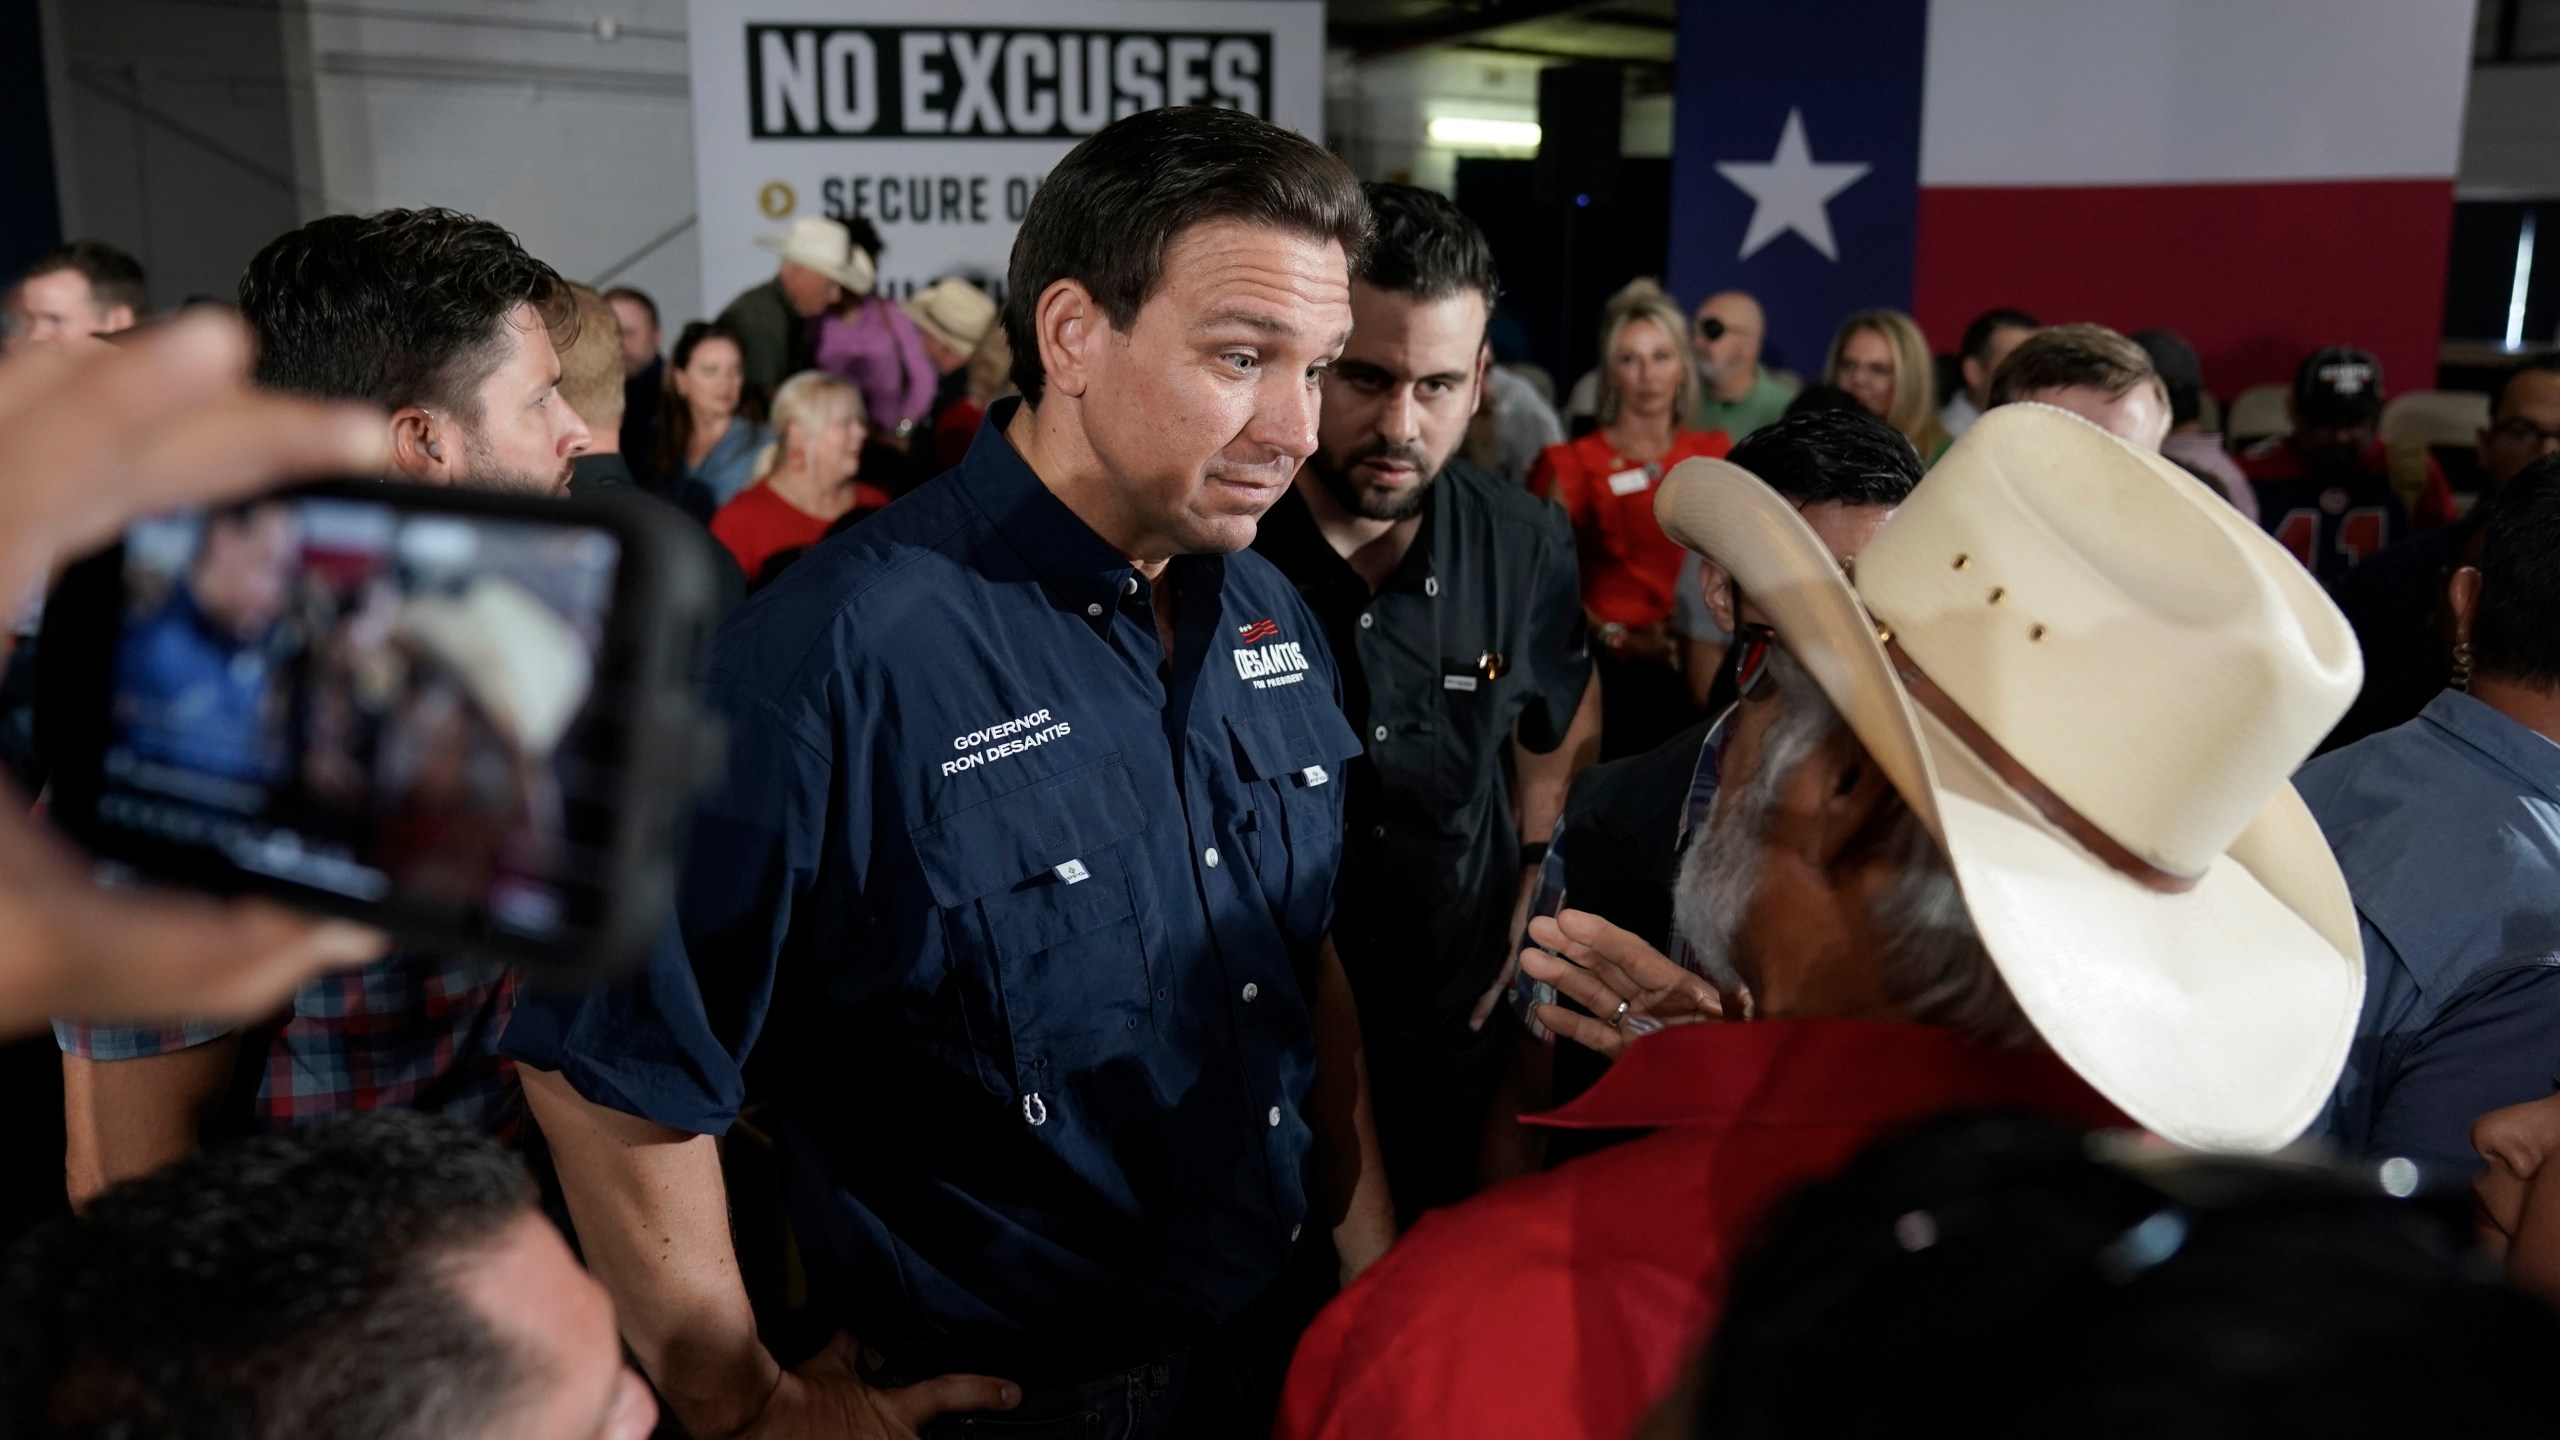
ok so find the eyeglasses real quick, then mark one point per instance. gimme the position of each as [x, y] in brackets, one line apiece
[1749, 660]
[2521, 431]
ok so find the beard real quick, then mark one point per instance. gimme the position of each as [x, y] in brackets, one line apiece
[1719, 876]
[1336, 478]
[483, 470]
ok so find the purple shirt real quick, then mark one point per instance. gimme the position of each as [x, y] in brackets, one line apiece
[880, 353]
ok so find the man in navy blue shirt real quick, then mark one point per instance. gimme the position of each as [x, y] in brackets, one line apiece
[2447, 829]
[1019, 881]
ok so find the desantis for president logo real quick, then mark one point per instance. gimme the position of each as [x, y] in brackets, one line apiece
[1270, 661]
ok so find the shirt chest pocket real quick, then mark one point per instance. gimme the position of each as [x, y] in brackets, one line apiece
[1040, 917]
[1291, 762]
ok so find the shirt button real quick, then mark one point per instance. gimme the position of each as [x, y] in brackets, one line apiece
[1367, 620]
[1377, 832]
[1430, 585]
[1130, 586]
[1294, 1229]
[1250, 991]
[1274, 1117]
[1209, 857]
[1380, 734]
[1093, 610]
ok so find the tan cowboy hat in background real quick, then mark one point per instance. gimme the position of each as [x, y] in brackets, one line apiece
[2092, 679]
[827, 247]
[525, 668]
[954, 312]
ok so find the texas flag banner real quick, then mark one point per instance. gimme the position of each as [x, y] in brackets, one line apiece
[2263, 176]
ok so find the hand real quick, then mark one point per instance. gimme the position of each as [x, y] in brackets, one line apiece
[1652, 644]
[827, 1397]
[1600, 965]
[92, 434]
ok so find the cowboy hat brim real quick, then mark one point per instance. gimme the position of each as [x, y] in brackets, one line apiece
[855, 274]
[2218, 1018]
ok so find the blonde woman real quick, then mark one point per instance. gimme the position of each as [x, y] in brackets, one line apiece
[1882, 360]
[1605, 482]
[804, 480]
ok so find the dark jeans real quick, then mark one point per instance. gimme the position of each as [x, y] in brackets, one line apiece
[1227, 1387]
[1430, 1094]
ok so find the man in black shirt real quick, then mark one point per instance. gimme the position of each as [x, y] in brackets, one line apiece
[1451, 601]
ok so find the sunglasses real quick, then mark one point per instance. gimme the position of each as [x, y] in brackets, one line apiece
[1749, 660]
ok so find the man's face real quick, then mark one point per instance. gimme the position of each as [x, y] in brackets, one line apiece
[639, 334]
[1978, 371]
[810, 293]
[2519, 1193]
[559, 1323]
[1396, 404]
[2138, 417]
[60, 306]
[244, 572]
[1202, 411]
[1734, 348]
[2526, 427]
[2334, 449]
[525, 436]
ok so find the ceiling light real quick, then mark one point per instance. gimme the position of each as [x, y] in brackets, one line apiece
[1471, 132]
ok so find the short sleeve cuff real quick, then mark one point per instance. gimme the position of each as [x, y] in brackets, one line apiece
[133, 1042]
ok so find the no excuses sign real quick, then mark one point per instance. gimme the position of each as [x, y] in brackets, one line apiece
[940, 133]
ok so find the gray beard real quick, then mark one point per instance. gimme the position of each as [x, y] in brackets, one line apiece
[1719, 875]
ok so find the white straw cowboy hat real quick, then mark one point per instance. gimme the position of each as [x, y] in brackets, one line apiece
[2091, 679]
[954, 312]
[525, 668]
[827, 247]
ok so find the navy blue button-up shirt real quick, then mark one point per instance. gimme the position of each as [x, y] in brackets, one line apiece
[2448, 831]
[1020, 922]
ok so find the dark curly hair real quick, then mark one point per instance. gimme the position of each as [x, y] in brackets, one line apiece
[289, 1285]
[401, 307]
[1109, 211]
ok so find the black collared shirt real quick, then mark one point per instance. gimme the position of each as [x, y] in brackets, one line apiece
[1020, 921]
[1479, 630]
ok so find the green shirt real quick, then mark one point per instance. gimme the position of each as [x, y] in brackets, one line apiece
[1765, 401]
[772, 340]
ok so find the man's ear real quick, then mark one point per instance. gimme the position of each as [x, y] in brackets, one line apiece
[1069, 324]
[1977, 376]
[1484, 366]
[422, 449]
[1851, 798]
[119, 317]
[2462, 597]
[1716, 586]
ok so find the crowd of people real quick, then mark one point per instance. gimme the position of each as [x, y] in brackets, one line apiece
[1268, 878]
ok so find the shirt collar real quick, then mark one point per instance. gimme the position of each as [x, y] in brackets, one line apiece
[1079, 568]
[1822, 1073]
[2517, 747]
[1291, 537]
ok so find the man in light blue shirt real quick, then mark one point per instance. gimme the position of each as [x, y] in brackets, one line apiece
[2448, 831]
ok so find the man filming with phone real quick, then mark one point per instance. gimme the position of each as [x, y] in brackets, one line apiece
[443, 321]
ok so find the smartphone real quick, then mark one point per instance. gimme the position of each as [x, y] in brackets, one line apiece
[468, 718]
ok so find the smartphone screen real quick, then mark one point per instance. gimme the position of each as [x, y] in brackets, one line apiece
[371, 702]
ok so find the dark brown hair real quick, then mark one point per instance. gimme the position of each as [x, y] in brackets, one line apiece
[401, 307]
[675, 417]
[114, 277]
[1106, 215]
[2069, 355]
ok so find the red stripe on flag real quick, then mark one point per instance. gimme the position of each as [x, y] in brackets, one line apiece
[2255, 275]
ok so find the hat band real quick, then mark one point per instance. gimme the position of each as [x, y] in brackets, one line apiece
[1926, 693]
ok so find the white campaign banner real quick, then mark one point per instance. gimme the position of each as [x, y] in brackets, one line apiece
[938, 120]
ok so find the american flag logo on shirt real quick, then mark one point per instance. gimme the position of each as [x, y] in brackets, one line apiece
[1258, 630]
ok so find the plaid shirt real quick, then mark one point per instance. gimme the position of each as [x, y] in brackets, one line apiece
[403, 1032]
[1549, 897]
